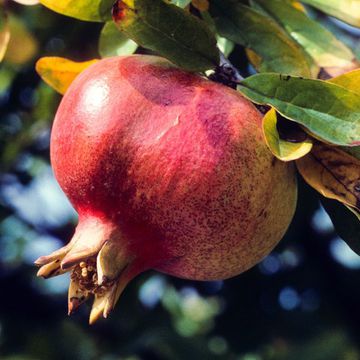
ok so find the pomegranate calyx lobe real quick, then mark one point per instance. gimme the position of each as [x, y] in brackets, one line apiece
[100, 265]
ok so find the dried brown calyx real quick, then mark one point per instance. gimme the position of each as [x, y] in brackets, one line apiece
[99, 267]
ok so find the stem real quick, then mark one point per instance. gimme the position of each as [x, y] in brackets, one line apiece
[230, 68]
[226, 73]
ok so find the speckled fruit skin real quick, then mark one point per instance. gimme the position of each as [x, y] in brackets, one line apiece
[175, 163]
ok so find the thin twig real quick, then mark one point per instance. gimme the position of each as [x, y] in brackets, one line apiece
[226, 73]
[230, 68]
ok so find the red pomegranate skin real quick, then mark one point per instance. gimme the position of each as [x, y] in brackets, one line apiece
[176, 162]
[170, 167]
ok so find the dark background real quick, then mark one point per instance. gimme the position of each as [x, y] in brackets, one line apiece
[301, 302]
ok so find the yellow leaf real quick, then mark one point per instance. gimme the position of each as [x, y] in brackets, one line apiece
[333, 173]
[201, 5]
[86, 10]
[254, 58]
[283, 150]
[4, 34]
[22, 46]
[340, 70]
[349, 80]
[354, 211]
[298, 5]
[345, 10]
[59, 72]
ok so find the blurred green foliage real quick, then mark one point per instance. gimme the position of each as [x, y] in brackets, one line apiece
[301, 302]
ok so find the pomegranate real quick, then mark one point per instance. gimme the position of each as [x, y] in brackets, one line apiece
[168, 171]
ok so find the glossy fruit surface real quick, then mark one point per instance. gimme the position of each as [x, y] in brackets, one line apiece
[167, 170]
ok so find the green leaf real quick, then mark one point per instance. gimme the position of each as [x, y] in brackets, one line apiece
[346, 223]
[349, 80]
[4, 33]
[7, 75]
[320, 43]
[88, 10]
[27, 2]
[226, 46]
[253, 30]
[282, 149]
[181, 3]
[346, 10]
[329, 111]
[112, 42]
[170, 31]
